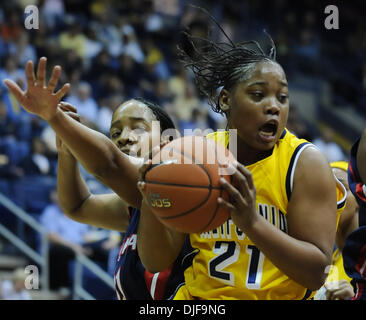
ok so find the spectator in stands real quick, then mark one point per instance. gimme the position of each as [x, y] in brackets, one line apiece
[12, 28]
[66, 240]
[23, 49]
[183, 106]
[11, 71]
[129, 72]
[131, 45]
[325, 142]
[53, 11]
[92, 46]
[14, 289]
[73, 38]
[87, 106]
[8, 170]
[37, 161]
[12, 150]
[8, 125]
[297, 125]
[106, 112]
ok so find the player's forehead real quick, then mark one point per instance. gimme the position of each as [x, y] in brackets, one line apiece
[268, 71]
[133, 110]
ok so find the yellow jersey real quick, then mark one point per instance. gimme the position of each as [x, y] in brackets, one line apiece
[227, 265]
[337, 271]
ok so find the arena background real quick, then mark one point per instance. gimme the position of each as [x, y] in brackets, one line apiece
[111, 51]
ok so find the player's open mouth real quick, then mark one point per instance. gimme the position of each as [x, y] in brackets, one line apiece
[268, 131]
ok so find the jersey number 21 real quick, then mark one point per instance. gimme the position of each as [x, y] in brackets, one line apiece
[228, 253]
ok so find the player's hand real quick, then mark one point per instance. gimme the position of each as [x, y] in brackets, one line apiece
[40, 98]
[71, 111]
[339, 290]
[242, 203]
[147, 164]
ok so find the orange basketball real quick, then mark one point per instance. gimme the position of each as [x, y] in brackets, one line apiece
[182, 185]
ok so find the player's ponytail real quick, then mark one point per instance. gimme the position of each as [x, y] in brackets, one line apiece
[220, 65]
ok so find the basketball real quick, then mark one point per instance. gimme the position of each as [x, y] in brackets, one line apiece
[182, 185]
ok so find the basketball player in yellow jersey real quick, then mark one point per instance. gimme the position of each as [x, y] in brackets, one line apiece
[283, 199]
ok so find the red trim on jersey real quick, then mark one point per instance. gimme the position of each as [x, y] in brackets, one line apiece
[361, 262]
[360, 291]
[129, 212]
[148, 279]
[359, 191]
[160, 282]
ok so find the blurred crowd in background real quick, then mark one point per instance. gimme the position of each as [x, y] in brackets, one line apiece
[113, 50]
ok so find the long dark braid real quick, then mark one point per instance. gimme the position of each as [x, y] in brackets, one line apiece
[220, 65]
[160, 114]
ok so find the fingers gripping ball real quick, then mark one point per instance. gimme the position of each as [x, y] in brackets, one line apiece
[182, 185]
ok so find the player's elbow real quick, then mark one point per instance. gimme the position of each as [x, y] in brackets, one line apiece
[319, 275]
[74, 212]
[317, 282]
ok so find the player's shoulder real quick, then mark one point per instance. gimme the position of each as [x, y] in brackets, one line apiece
[313, 165]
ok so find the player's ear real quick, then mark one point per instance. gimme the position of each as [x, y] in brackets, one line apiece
[224, 100]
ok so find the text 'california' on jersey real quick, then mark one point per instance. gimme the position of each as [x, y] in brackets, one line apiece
[228, 265]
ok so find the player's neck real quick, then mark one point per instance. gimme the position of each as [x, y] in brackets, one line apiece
[247, 155]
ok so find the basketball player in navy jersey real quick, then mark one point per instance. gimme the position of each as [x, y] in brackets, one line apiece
[354, 251]
[110, 162]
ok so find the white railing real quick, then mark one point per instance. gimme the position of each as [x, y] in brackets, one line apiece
[79, 292]
[42, 258]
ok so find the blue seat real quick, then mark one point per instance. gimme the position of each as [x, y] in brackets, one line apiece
[4, 187]
[32, 193]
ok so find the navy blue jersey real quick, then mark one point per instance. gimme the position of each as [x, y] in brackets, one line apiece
[356, 185]
[133, 281]
[354, 250]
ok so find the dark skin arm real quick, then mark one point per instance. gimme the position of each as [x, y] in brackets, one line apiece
[306, 250]
[361, 157]
[106, 211]
[96, 153]
[349, 217]
[302, 254]
[158, 246]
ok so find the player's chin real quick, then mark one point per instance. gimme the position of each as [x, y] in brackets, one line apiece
[265, 143]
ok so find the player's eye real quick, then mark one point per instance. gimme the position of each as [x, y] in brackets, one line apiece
[115, 134]
[257, 95]
[283, 98]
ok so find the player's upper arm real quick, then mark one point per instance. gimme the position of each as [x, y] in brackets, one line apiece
[349, 217]
[106, 211]
[361, 157]
[312, 209]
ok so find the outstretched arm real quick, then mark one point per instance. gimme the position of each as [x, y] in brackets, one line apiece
[158, 246]
[106, 211]
[97, 154]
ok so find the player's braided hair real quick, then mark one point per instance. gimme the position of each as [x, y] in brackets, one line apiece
[220, 65]
[160, 114]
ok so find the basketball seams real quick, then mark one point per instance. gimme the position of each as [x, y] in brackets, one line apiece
[210, 216]
[183, 185]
